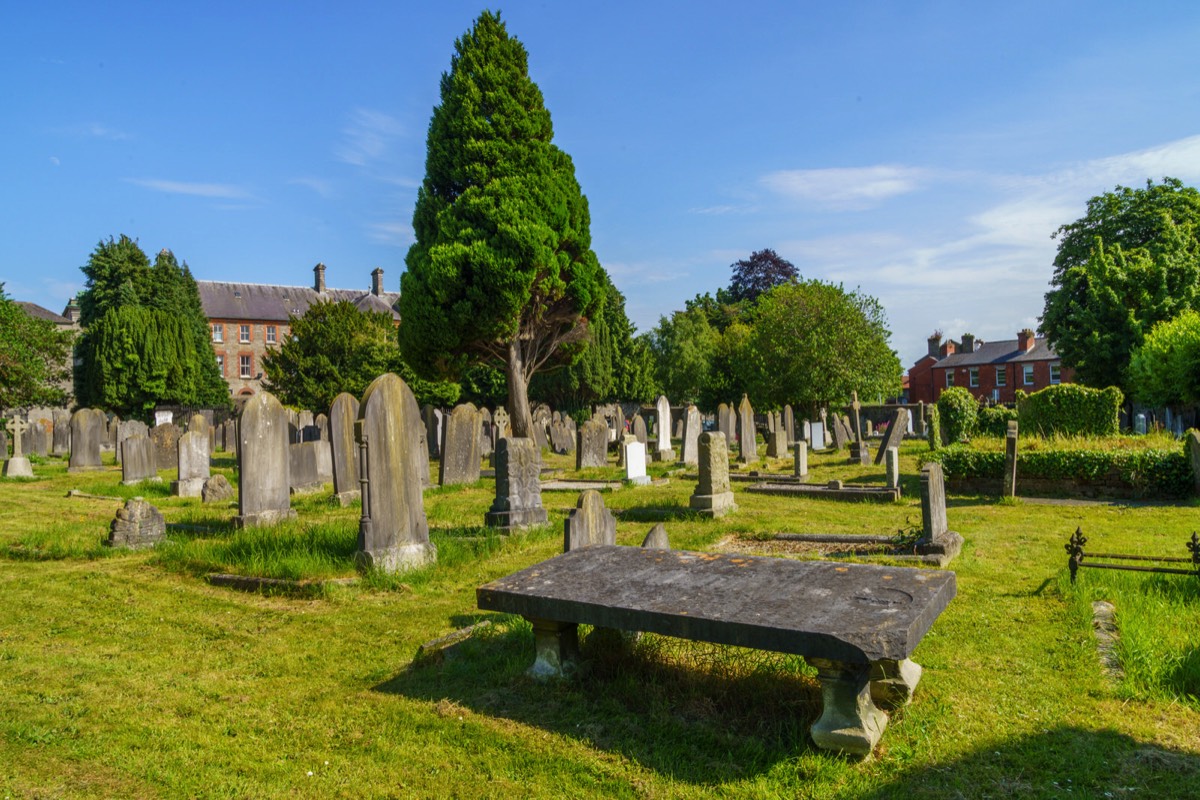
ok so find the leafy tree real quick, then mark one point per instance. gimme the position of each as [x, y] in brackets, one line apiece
[1133, 260]
[1165, 369]
[336, 348]
[958, 411]
[734, 369]
[502, 271]
[721, 311]
[683, 346]
[34, 358]
[118, 274]
[762, 271]
[815, 343]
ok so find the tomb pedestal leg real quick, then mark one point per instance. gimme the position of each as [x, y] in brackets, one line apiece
[893, 682]
[556, 647]
[849, 721]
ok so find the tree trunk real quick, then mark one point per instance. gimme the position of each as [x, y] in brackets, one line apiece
[519, 415]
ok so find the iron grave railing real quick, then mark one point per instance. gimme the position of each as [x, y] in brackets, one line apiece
[1081, 558]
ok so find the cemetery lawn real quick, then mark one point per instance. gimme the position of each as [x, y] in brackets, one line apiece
[126, 674]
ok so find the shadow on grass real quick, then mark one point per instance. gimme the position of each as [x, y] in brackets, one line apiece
[656, 512]
[700, 713]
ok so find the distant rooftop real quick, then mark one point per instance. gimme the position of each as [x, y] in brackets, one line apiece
[36, 311]
[268, 302]
[1002, 352]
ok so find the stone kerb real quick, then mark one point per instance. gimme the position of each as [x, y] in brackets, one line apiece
[589, 524]
[689, 449]
[138, 460]
[713, 497]
[460, 446]
[518, 502]
[193, 463]
[343, 449]
[264, 469]
[393, 533]
[87, 427]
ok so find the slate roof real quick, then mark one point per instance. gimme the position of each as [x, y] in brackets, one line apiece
[260, 301]
[36, 311]
[1002, 352]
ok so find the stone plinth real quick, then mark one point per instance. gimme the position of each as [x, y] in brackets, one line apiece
[18, 467]
[713, 497]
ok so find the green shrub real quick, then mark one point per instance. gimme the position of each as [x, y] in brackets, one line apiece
[959, 412]
[993, 420]
[933, 427]
[1071, 410]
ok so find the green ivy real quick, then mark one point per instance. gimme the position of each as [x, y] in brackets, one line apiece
[933, 426]
[993, 420]
[1071, 410]
[959, 411]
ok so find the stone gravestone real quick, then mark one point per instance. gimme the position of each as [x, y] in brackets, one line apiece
[500, 422]
[138, 460]
[725, 421]
[634, 458]
[40, 434]
[816, 435]
[678, 431]
[138, 525]
[892, 467]
[789, 424]
[231, 436]
[132, 427]
[800, 459]
[860, 451]
[895, 433]
[310, 466]
[518, 501]
[264, 470]
[487, 442]
[343, 451]
[713, 497]
[561, 438]
[1139, 424]
[592, 447]
[110, 442]
[166, 444]
[304, 419]
[639, 429]
[322, 423]
[432, 419]
[1010, 459]
[589, 524]
[393, 533]
[216, 489]
[689, 449]
[839, 433]
[87, 425]
[61, 445]
[198, 423]
[460, 446]
[657, 539]
[748, 453]
[18, 466]
[193, 463]
[662, 427]
[777, 438]
[936, 537]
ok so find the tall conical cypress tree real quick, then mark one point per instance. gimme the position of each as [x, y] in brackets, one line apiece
[502, 271]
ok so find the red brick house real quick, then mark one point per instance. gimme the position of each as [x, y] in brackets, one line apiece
[991, 371]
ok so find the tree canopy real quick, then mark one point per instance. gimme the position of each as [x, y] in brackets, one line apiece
[1165, 369]
[1132, 261]
[336, 348]
[502, 270]
[683, 346]
[762, 271]
[34, 358]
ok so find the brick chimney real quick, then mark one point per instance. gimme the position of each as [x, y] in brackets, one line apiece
[319, 278]
[968, 343]
[949, 348]
[935, 344]
[377, 282]
[1025, 340]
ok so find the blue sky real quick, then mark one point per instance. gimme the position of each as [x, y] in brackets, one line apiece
[923, 151]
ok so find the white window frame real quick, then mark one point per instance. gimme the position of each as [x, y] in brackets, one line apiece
[949, 378]
[1001, 376]
[973, 377]
[270, 334]
[218, 333]
[221, 363]
[245, 366]
[1027, 374]
[243, 334]
[1055, 373]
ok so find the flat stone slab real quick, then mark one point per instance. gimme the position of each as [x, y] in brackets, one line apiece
[579, 486]
[851, 613]
[853, 493]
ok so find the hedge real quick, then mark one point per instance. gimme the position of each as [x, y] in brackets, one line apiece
[959, 410]
[933, 426]
[1071, 410]
[993, 420]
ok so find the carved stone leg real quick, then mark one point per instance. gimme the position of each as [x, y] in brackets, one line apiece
[893, 682]
[556, 646]
[850, 722]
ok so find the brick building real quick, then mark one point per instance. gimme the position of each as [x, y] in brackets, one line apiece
[248, 319]
[991, 371]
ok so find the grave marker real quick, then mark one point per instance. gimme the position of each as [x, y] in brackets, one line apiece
[713, 497]
[87, 424]
[460, 447]
[689, 450]
[138, 460]
[264, 468]
[895, 434]
[518, 502]
[1010, 459]
[748, 454]
[589, 524]
[343, 451]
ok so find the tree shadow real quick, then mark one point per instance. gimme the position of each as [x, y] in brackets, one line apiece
[662, 511]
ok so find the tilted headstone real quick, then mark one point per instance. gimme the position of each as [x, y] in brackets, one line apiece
[310, 465]
[589, 524]
[689, 450]
[343, 449]
[393, 534]
[800, 459]
[1010, 459]
[193, 463]
[713, 497]
[748, 453]
[264, 469]
[87, 425]
[891, 462]
[166, 444]
[936, 537]
[216, 489]
[138, 460]
[839, 432]
[634, 458]
[663, 451]
[61, 444]
[518, 502]
[895, 433]
[591, 449]
[137, 525]
[639, 429]
[460, 446]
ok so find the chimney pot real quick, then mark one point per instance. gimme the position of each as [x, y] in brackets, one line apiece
[935, 345]
[377, 282]
[968, 343]
[319, 278]
[1025, 340]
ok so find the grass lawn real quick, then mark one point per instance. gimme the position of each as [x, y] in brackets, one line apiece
[127, 675]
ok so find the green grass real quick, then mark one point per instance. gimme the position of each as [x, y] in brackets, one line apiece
[126, 675]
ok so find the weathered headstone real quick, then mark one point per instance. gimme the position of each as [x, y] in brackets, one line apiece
[713, 497]
[663, 450]
[1139, 424]
[1010, 459]
[500, 421]
[432, 419]
[193, 463]
[592, 446]
[393, 534]
[892, 467]
[518, 502]
[895, 433]
[132, 427]
[936, 537]
[138, 460]
[657, 539]
[727, 422]
[689, 449]
[800, 459]
[18, 465]
[748, 454]
[61, 445]
[639, 429]
[460, 446]
[789, 424]
[87, 424]
[860, 451]
[343, 450]
[634, 459]
[777, 438]
[137, 525]
[589, 524]
[166, 444]
[40, 434]
[487, 441]
[216, 489]
[322, 423]
[310, 466]
[839, 432]
[264, 470]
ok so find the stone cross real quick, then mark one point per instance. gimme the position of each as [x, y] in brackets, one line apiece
[857, 422]
[16, 427]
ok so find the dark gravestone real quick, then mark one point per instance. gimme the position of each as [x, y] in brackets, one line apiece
[138, 460]
[895, 433]
[590, 523]
[518, 501]
[713, 497]
[840, 433]
[138, 525]
[487, 441]
[1010, 458]
[166, 444]
[592, 446]
[460, 446]
[748, 451]
[431, 418]
[193, 463]
[639, 429]
[343, 450]
[937, 539]
[789, 424]
[777, 439]
[309, 466]
[216, 489]
[87, 426]
[264, 471]
[393, 534]
[310, 433]
[61, 445]
[132, 427]
[689, 449]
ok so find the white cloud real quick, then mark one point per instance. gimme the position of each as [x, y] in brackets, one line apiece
[368, 135]
[393, 233]
[225, 191]
[845, 187]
